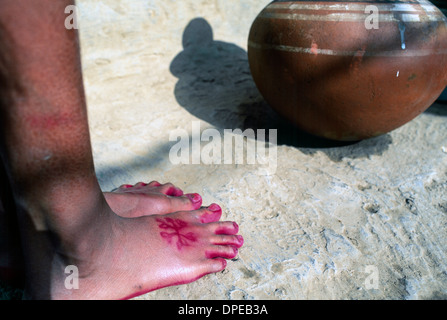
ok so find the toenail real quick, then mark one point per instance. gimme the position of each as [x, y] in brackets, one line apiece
[194, 197]
[127, 186]
[214, 207]
[224, 263]
[174, 192]
[240, 239]
[178, 192]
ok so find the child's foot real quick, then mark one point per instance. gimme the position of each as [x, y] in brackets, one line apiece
[153, 198]
[129, 257]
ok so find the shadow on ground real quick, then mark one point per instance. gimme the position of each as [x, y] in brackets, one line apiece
[215, 85]
[439, 108]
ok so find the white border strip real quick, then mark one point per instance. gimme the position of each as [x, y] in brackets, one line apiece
[351, 17]
[329, 52]
[403, 7]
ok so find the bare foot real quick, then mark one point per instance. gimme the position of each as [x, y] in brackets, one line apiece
[127, 201]
[129, 257]
[153, 198]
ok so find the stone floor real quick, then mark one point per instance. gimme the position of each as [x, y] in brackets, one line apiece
[328, 221]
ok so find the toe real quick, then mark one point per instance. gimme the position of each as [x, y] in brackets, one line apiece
[169, 204]
[226, 252]
[170, 190]
[125, 186]
[195, 199]
[224, 227]
[215, 265]
[154, 184]
[140, 185]
[223, 239]
[211, 214]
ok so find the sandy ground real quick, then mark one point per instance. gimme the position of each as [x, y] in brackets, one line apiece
[360, 221]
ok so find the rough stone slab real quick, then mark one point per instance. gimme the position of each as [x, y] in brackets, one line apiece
[317, 226]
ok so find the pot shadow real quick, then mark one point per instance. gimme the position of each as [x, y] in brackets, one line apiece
[439, 108]
[215, 85]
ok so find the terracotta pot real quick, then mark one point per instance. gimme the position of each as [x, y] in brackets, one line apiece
[341, 71]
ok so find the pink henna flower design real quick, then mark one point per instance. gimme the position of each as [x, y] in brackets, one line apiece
[175, 226]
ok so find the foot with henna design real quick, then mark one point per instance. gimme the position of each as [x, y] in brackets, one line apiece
[148, 253]
[188, 234]
[127, 201]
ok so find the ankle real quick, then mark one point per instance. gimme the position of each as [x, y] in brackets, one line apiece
[75, 238]
[81, 241]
